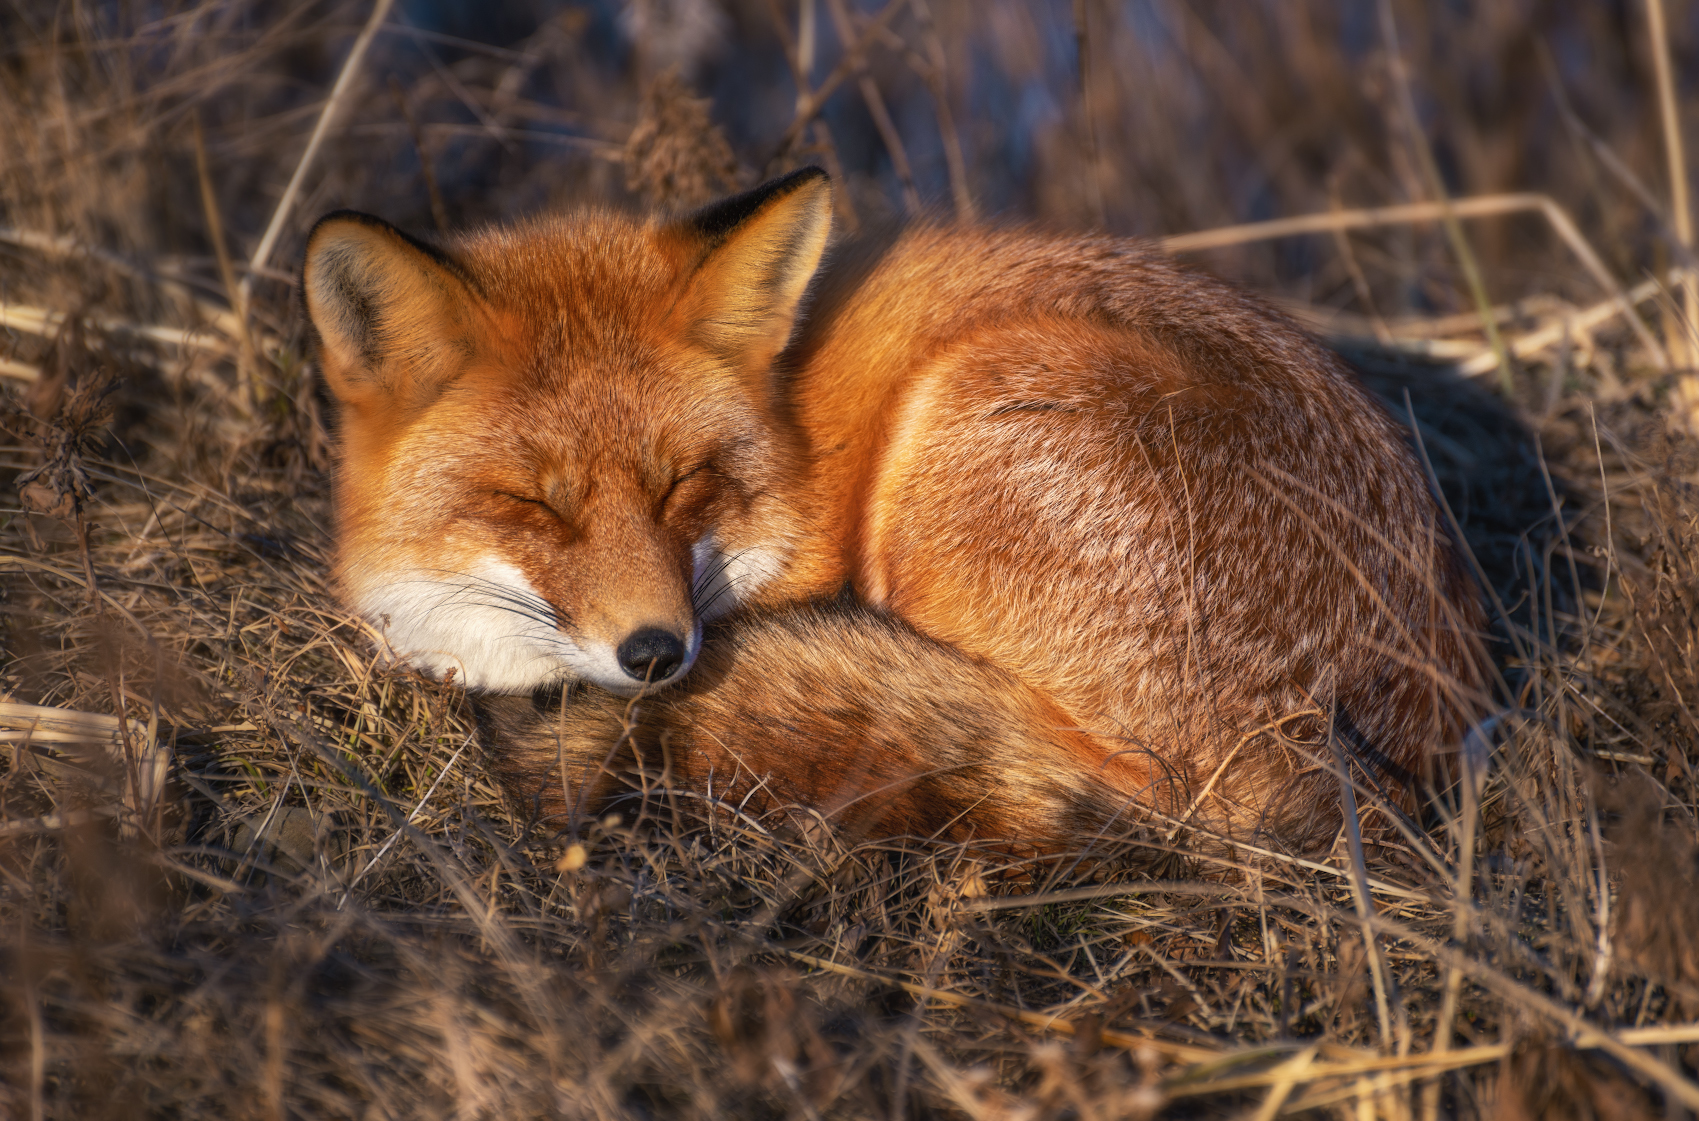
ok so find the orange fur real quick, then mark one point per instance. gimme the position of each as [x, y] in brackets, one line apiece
[1171, 528]
[832, 713]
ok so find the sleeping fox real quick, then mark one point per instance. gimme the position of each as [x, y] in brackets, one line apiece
[1009, 536]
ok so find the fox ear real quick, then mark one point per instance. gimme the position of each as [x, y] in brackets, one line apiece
[761, 250]
[393, 316]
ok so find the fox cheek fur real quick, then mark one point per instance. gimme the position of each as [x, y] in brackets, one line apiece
[558, 455]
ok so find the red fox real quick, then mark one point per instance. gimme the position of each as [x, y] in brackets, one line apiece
[1121, 539]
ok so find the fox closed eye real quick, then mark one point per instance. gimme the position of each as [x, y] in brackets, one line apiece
[527, 501]
[687, 486]
[684, 477]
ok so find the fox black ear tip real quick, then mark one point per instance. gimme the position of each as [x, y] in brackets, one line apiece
[352, 227]
[718, 219]
[801, 177]
[781, 185]
[343, 215]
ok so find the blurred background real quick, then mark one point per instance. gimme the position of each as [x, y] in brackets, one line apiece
[1142, 117]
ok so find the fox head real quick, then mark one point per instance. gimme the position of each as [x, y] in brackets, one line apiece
[559, 446]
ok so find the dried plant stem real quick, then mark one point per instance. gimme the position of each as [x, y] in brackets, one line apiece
[37, 1046]
[271, 1076]
[893, 143]
[1583, 1032]
[64, 248]
[1359, 281]
[1468, 817]
[1360, 888]
[936, 75]
[46, 322]
[114, 681]
[1583, 321]
[799, 55]
[1088, 117]
[1417, 1065]
[1609, 160]
[1430, 171]
[39, 566]
[19, 371]
[793, 57]
[877, 109]
[809, 107]
[494, 933]
[1203, 1066]
[1221, 768]
[1178, 1052]
[411, 818]
[1681, 213]
[245, 359]
[807, 36]
[1476, 206]
[338, 92]
[1291, 1073]
[439, 212]
[1678, 334]
[1602, 896]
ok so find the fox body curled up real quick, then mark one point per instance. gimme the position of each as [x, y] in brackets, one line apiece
[1017, 537]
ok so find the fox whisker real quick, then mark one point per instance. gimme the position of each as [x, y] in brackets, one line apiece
[469, 590]
[704, 604]
[712, 586]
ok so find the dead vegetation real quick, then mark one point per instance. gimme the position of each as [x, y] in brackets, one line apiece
[246, 872]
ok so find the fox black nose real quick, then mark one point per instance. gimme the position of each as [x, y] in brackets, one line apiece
[651, 654]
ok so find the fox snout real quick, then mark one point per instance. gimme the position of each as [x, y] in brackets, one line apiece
[652, 655]
[628, 643]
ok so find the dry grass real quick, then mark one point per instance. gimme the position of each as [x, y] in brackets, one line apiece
[282, 885]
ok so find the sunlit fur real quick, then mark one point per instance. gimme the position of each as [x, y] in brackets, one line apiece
[1149, 498]
[1158, 513]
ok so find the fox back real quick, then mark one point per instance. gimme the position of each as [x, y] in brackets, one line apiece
[1149, 497]
[1199, 561]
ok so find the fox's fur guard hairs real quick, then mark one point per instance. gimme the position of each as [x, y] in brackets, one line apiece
[1131, 547]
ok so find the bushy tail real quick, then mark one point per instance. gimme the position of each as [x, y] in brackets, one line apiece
[844, 716]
